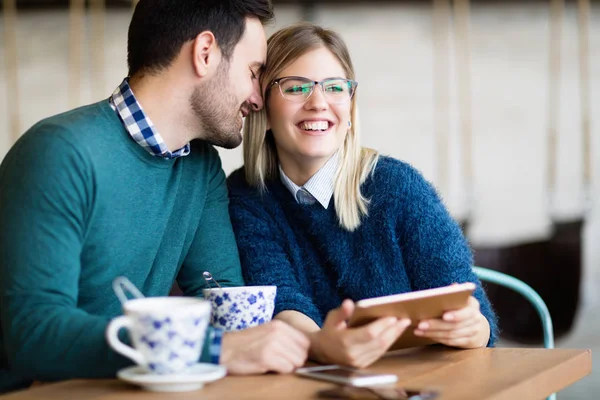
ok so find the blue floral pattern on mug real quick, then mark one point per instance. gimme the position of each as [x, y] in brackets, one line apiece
[238, 308]
[170, 344]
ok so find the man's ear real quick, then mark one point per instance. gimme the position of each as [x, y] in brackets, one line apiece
[206, 55]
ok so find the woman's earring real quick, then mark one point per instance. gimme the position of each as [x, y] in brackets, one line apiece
[349, 124]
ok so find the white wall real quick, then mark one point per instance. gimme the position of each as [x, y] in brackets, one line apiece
[392, 48]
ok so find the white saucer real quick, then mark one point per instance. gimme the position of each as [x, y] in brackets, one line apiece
[193, 378]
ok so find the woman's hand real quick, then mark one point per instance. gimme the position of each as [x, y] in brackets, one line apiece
[335, 343]
[466, 328]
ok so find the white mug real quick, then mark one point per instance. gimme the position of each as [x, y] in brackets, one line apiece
[167, 333]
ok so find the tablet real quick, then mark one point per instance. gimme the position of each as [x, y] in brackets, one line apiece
[418, 306]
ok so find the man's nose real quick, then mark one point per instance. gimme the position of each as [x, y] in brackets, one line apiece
[256, 100]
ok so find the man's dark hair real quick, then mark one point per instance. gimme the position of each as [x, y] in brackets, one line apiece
[159, 28]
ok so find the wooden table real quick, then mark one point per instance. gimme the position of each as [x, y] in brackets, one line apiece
[458, 374]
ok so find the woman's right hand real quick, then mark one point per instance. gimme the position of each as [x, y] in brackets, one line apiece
[359, 347]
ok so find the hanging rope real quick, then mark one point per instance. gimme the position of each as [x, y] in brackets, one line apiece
[12, 84]
[556, 16]
[76, 35]
[441, 91]
[461, 28]
[584, 90]
[98, 10]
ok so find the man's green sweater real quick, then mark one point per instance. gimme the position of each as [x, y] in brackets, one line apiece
[80, 204]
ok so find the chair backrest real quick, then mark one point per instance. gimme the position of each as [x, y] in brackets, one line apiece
[502, 279]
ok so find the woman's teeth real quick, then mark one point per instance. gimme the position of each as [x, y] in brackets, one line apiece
[315, 126]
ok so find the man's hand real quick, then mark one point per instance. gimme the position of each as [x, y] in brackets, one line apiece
[356, 347]
[274, 346]
[466, 328]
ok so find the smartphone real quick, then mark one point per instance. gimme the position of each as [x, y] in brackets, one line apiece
[367, 393]
[346, 375]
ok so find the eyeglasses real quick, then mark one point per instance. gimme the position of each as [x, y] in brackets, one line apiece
[298, 89]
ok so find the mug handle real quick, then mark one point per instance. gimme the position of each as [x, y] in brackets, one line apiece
[112, 336]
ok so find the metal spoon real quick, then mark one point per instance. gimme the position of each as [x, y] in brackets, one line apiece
[209, 278]
[121, 285]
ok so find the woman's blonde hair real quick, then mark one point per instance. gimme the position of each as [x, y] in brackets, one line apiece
[260, 154]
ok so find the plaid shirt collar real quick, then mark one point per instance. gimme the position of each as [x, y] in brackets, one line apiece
[138, 124]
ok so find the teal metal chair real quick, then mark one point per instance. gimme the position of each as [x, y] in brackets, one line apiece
[502, 279]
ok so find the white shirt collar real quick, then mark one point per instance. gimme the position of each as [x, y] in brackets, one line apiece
[320, 185]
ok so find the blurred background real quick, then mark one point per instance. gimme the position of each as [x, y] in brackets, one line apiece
[494, 101]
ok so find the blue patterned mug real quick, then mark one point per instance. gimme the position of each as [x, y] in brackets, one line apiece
[167, 333]
[237, 308]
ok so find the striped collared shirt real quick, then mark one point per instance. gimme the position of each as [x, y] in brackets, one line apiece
[138, 124]
[319, 186]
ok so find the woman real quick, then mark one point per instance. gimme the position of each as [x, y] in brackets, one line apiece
[330, 222]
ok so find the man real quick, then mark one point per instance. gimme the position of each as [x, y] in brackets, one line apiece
[132, 186]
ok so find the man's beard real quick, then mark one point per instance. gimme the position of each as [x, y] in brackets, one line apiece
[216, 107]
